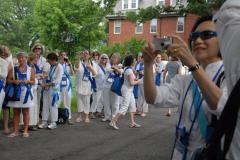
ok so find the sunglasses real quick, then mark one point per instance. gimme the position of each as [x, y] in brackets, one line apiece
[104, 58]
[204, 35]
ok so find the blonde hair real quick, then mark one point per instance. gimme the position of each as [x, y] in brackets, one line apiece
[5, 50]
[31, 57]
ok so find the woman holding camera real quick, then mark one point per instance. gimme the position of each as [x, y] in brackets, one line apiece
[66, 83]
[24, 77]
[197, 95]
[85, 85]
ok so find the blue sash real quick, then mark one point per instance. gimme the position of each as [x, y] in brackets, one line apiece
[91, 79]
[55, 95]
[158, 79]
[68, 77]
[1, 85]
[103, 70]
[38, 70]
[23, 76]
[135, 91]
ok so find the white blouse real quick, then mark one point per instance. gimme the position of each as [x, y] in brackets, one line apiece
[173, 94]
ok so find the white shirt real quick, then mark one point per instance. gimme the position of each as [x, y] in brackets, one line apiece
[101, 77]
[173, 94]
[126, 83]
[83, 87]
[55, 74]
[43, 64]
[3, 69]
[228, 29]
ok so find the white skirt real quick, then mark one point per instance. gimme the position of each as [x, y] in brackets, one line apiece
[19, 104]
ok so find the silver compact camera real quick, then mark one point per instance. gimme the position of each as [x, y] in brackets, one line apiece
[162, 44]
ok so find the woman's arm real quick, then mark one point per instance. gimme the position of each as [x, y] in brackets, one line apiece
[132, 80]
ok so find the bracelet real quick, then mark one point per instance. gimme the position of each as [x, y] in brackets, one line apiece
[194, 68]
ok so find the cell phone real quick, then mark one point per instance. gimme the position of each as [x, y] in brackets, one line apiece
[66, 59]
[162, 44]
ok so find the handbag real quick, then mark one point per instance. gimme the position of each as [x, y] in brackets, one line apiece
[117, 83]
[13, 91]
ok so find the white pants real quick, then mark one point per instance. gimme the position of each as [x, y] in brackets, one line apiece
[142, 105]
[83, 103]
[66, 99]
[2, 95]
[47, 107]
[33, 111]
[97, 102]
[110, 103]
[39, 94]
[128, 101]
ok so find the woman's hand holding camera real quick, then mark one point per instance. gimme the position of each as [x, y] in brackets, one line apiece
[181, 50]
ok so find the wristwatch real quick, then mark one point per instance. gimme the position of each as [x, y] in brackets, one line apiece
[194, 68]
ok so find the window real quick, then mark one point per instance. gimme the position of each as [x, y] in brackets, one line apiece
[134, 4]
[117, 26]
[161, 3]
[125, 4]
[153, 26]
[139, 28]
[180, 24]
[129, 4]
[173, 2]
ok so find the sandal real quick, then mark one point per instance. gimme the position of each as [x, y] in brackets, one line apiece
[87, 120]
[135, 125]
[25, 135]
[12, 135]
[79, 120]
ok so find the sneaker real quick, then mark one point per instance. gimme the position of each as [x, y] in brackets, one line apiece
[43, 125]
[114, 126]
[52, 126]
[105, 120]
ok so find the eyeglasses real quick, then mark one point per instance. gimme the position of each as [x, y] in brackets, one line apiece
[204, 35]
[104, 58]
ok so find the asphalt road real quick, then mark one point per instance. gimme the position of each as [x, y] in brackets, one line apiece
[96, 141]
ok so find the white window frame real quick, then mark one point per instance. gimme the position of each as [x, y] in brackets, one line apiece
[136, 27]
[157, 2]
[152, 24]
[130, 4]
[123, 4]
[179, 20]
[115, 25]
[171, 3]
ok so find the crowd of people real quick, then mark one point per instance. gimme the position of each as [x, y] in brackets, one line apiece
[199, 77]
[46, 83]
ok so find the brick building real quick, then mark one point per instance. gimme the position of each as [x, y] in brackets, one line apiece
[166, 24]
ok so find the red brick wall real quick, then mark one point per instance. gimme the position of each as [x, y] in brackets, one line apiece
[166, 26]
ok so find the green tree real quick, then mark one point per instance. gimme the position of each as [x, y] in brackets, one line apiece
[71, 24]
[16, 23]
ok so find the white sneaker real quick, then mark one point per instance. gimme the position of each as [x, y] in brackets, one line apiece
[105, 120]
[52, 125]
[43, 125]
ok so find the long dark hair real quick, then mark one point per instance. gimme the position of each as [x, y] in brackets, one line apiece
[128, 60]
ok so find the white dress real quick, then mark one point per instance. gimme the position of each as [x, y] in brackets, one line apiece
[173, 94]
[3, 75]
[30, 102]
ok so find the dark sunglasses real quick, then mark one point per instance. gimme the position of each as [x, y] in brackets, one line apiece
[204, 35]
[104, 58]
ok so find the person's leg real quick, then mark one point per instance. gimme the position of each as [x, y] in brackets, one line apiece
[114, 103]
[100, 105]
[80, 107]
[16, 119]
[5, 120]
[86, 102]
[132, 110]
[25, 121]
[106, 104]
[45, 109]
